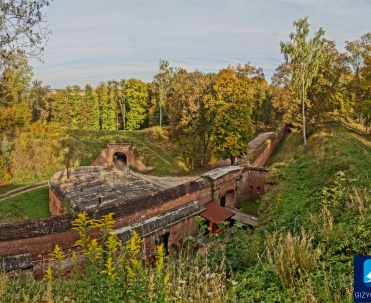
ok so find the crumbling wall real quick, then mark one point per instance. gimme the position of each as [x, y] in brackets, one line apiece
[251, 184]
[178, 233]
[55, 203]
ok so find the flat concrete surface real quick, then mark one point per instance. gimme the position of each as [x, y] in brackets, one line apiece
[220, 171]
[166, 181]
[253, 144]
[245, 218]
[92, 186]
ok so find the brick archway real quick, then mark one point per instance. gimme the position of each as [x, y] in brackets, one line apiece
[107, 156]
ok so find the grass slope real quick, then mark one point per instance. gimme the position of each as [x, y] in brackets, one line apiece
[314, 219]
[300, 178]
[29, 205]
[153, 148]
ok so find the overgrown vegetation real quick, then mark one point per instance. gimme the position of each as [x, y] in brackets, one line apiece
[313, 221]
[108, 271]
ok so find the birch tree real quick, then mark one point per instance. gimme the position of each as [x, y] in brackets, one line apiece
[303, 55]
[163, 82]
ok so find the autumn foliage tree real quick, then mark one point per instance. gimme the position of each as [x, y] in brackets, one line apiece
[189, 117]
[231, 107]
[359, 60]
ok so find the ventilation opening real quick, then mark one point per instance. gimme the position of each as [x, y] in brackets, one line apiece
[120, 160]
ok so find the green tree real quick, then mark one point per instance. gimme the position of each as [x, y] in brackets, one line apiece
[84, 118]
[304, 57]
[91, 101]
[15, 80]
[137, 98]
[39, 101]
[284, 101]
[107, 106]
[188, 115]
[329, 89]
[121, 103]
[74, 106]
[61, 107]
[163, 81]
[359, 60]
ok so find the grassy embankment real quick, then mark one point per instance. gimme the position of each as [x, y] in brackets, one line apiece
[314, 219]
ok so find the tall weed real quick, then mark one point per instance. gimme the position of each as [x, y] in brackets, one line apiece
[291, 256]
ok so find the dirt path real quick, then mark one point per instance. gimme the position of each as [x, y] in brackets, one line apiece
[23, 189]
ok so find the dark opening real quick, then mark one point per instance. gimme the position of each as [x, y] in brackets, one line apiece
[222, 201]
[120, 160]
[165, 239]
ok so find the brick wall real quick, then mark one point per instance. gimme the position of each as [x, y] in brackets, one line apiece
[55, 203]
[262, 157]
[39, 237]
[178, 233]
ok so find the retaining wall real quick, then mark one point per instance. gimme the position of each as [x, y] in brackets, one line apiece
[263, 152]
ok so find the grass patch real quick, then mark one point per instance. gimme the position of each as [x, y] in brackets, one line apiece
[251, 207]
[30, 205]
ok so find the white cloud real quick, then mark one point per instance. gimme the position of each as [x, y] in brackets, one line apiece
[95, 41]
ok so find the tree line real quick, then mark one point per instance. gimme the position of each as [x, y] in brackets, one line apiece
[213, 115]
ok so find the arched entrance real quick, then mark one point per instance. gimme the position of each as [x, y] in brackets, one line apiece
[120, 160]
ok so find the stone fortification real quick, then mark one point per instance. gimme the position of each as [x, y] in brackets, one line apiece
[27, 245]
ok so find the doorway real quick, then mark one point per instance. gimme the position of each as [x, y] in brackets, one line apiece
[222, 201]
[120, 160]
[165, 239]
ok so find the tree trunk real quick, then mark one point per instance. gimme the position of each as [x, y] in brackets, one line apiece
[160, 115]
[204, 151]
[303, 108]
[124, 116]
[233, 159]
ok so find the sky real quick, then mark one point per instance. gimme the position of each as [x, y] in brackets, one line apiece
[94, 41]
